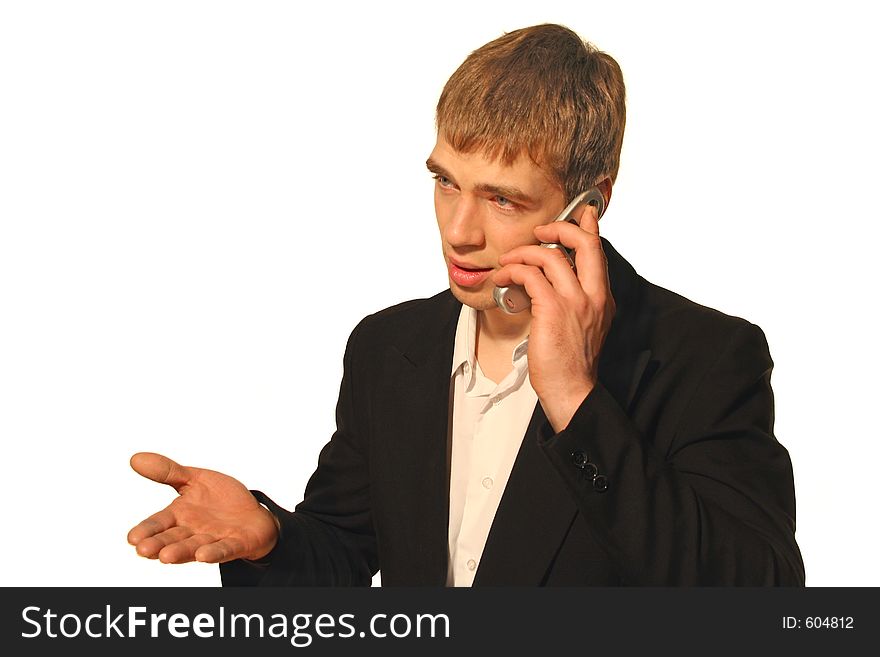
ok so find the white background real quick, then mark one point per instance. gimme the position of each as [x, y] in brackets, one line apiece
[199, 201]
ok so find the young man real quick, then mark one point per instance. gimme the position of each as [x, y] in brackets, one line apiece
[613, 434]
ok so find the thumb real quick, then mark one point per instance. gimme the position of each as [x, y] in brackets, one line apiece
[161, 469]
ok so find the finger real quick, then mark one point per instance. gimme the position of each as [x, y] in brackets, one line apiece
[221, 551]
[590, 261]
[531, 278]
[156, 523]
[149, 547]
[592, 270]
[564, 233]
[185, 551]
[589, 219]
[161, 469]
[552, 262]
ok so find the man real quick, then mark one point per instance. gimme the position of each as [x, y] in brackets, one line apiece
[613, 434]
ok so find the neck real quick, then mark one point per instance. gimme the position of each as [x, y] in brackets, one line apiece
[497, 326]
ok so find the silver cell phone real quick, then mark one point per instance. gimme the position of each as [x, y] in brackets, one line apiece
[514, 299]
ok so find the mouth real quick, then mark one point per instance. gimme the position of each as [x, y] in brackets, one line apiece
[467, 274]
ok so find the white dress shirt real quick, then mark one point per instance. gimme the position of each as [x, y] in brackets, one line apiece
[488, 425]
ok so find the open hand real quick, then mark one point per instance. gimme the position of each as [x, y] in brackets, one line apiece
[215, 518]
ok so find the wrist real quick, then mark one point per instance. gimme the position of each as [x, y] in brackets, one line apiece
[559, 409]
[264, 550]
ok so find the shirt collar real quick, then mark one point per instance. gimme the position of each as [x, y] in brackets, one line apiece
[464, 350]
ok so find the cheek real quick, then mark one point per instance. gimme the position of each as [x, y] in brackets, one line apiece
[442, 218]
[443, 210]
[509, 238]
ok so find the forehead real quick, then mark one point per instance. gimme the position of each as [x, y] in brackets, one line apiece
[478, 168]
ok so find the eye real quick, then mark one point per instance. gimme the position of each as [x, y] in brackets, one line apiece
[443, 181]
[504, 202]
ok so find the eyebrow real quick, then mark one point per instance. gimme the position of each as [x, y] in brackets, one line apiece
[433, 167]
[507, 191]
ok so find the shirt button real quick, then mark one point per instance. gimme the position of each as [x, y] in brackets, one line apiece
[487, 483]
[471, 564]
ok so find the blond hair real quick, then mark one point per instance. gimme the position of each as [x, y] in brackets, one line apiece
[542, 91]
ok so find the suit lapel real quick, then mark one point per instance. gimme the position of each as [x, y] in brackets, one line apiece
[533, 517]
[419, 374]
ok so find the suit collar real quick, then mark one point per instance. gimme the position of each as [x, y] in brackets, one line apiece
[625, 355]
[434, 334]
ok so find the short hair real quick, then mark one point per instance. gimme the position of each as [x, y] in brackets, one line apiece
[544, 91]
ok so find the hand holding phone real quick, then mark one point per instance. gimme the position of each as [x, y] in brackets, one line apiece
[514, 299]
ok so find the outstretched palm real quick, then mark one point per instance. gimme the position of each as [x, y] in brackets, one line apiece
[213, 519]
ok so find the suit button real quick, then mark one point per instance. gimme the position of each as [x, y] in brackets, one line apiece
[600, 483]
[590, 470]
[580, 458]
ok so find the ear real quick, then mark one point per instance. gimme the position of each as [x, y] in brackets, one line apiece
[605, 187]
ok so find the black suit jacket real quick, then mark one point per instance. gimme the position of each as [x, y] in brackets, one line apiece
[697, 489]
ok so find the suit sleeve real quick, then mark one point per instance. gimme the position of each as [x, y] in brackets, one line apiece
[328, 540]
[717, 508]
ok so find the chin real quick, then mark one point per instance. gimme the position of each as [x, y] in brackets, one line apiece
[479, 299]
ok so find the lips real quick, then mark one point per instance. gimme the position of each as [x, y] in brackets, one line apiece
[466, 266]
[467, 274]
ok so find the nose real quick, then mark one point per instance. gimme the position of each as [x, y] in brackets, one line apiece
[465, 226]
